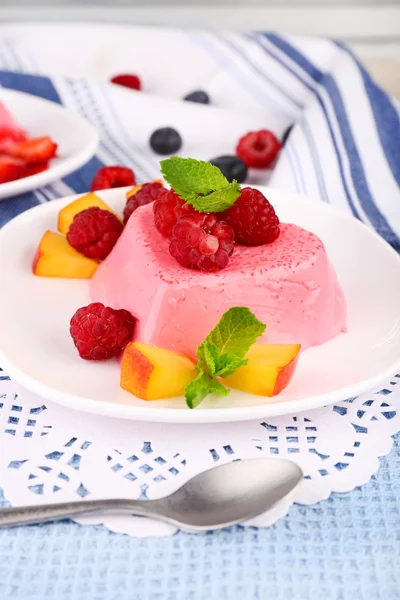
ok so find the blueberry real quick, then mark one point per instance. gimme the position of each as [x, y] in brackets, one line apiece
[232, 167]
[165, 140]
[286, 135]
[198, 96]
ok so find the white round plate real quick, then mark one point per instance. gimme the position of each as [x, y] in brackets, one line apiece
[37, 351]
[76, 138]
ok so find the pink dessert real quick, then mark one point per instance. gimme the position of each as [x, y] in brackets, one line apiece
[289, 284]
[10, 131]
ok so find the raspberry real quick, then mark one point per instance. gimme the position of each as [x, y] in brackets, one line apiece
[112, 177]
[100, 332]
[202, 242]
[94, 232]
[252, 218]
[126, 80]
[168, 208]
[147, 193]
[258, 149]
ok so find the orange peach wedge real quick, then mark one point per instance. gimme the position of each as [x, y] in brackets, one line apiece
[56, 258]
[152, 373]
[269, 369]
[67, 214]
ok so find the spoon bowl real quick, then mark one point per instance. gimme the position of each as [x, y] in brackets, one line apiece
[231, 493]
[220, 497]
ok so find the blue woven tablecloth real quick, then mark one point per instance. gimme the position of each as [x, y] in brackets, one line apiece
[345, 548]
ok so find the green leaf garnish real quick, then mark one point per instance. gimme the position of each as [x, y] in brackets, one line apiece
[200, 387]
[222, 352]
[200, 183]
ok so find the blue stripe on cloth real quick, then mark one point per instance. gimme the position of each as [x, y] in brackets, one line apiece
[80, 180]
[296, 56]
[331, 132]
[386, 117]
[11, 207]
[250, 85]
[37, 85]
[308, 135]
[360, 183]
[278, 86]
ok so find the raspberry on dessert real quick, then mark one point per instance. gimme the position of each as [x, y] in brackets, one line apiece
[202, 242]
[252, 218]
[165, 140]
[100, 332]
[112, 177]
[168, 208]
[94, 232]
[146, 194]
[258, 149]
[127, 80]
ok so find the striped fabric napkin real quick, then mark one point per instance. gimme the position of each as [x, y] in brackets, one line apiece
[344, 147]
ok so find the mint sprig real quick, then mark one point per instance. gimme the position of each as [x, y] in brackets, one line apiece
[223, 352]
[200, 183]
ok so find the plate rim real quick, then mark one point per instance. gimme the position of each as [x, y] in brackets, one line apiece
[69, 165]
[185, 415]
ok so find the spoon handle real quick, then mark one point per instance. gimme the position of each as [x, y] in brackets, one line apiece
[27, 515]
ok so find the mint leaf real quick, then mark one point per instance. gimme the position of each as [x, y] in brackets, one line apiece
[200, 387]
[228, 364]
[208, 360]
[222, 352]
[200, 183]
[235, 333]
[219, 200]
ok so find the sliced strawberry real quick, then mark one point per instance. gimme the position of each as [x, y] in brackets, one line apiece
[10, 130]
[37, 150]
[11, 168]
[38, 168]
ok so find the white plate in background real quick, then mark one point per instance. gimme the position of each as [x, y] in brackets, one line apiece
[77, 139]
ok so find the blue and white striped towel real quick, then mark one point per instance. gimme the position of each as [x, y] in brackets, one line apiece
[344, 148]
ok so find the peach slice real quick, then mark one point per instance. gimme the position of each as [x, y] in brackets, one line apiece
[67, 214]
[152, 373]
[136, 188]
[269, 369]
[56, 258]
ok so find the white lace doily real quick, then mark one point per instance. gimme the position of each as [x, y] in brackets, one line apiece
[49, 454]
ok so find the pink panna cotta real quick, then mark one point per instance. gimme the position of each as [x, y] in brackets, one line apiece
[289, 284]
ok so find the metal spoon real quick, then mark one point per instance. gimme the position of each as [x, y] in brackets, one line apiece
[220, 497]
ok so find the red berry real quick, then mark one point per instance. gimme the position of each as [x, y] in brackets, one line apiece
[94, 232]
[34, 151]
[252, 218]
[258, 149]
[100, 332]
[130, 81]
[168, 208]
[202, 242]
[112, 177]
[11, 168]
[147, 193]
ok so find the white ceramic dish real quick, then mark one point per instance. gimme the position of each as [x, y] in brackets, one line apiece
[36, 349]
[77, 140]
